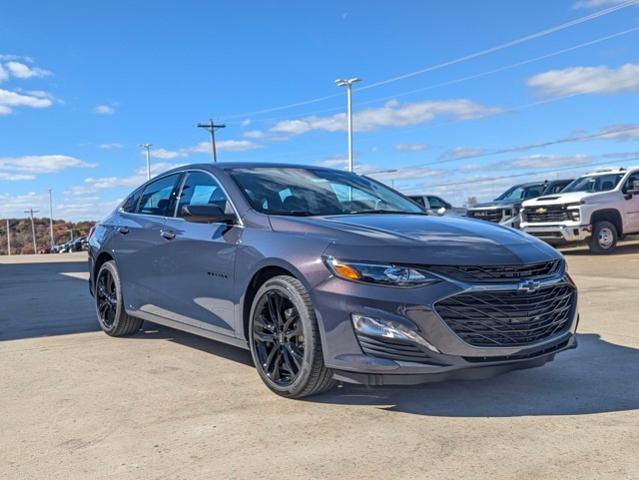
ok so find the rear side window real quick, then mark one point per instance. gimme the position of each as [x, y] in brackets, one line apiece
[157, 196]
[131, 204]
[436, 203]
[419, 200]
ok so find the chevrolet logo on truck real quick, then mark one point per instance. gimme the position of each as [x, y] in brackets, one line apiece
[541, 210]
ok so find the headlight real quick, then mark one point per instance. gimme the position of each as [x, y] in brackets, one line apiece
[384, 274]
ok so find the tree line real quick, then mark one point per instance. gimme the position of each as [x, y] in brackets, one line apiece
[22, 240]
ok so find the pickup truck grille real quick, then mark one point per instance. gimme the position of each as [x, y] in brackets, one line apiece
[549, 213]
[497, 273]
[492, 215]
[509, 318]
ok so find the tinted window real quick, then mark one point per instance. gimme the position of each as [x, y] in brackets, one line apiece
[633, 179]
[595, 183]
[521, 192]
[157, 196]
[436, 203]
[202, 189]
[555, 187]
[419, 199]
[130, 205]
[310, 191]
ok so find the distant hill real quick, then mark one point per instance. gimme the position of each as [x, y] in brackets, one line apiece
[21, 240]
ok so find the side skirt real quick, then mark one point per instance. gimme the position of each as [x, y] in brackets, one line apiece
[218, 337]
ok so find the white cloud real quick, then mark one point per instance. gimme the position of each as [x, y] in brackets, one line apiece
[37, 164]
[595, 3]
[584, 80]
[13, 177]
[21, 70]
[246, 122]
[551, 161]
[205, 147]
[104, 110]
[254, 134]
[620, 133]
[393, 114]
[10, 100]
[459, 153]
[110, 146]
[410, 147]
[4, 75]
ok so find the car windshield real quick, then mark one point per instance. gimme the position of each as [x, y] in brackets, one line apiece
[521, 192]
[594, 183]
[309, 191]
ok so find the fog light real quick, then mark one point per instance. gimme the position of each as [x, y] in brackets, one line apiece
[375, 327]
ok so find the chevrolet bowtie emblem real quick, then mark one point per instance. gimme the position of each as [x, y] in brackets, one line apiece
[541, 210]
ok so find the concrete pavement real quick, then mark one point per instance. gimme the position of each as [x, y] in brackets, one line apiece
[77, 404]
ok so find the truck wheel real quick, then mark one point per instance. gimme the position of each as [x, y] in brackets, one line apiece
[604, 238]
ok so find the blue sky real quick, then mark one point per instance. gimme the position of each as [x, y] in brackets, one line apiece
[83, 83]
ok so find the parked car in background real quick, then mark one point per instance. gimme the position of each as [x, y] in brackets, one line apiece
[435, 205]
[328, 276]
[505, 209]
[600, 208]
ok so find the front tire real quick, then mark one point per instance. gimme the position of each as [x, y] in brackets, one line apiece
[604, 238]
[285, 341]
[109, 305]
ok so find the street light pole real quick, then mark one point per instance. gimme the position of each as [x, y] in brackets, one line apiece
[8, 238]
[211, 127]
[147, 148]
[31, 211]
[348, 83]
[51, 218]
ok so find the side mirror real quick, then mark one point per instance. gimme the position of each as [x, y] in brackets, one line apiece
[206, 214]
[633, 188]
[441, 211]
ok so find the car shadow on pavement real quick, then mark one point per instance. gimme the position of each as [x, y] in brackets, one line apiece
[623, 249]
[597, 377]
[152, 331]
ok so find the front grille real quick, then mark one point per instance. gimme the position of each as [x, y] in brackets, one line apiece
[550, 213]
[491, 215]
[497, 273]
[509, 318]
[393, 350]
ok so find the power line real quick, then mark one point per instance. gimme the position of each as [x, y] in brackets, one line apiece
[503, 46]
[518, 41]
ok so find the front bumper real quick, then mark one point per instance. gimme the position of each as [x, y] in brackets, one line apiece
[558, 233]
[354, 361]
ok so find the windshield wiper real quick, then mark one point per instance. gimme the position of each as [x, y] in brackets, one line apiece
[363, 212]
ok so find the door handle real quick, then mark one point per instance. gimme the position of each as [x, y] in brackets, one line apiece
[123, 230]
[168, 234]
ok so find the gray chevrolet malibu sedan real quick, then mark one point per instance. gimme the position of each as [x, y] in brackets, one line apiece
[328, 276]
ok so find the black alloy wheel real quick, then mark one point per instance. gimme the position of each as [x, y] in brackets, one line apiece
[107, 298]
[285, 341]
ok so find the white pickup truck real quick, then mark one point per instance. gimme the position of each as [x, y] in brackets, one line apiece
[599, 207]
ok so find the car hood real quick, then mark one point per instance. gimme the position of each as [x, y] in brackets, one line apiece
[495, 204]
[561, 198]
[419, 239]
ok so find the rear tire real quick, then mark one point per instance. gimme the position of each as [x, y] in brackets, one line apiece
[285, 341]
[604, 238]
[109, 305]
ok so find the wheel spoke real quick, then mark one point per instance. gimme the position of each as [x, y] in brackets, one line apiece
[265, 337]
[272, 309]
[287, 362]
[295, 356]
[275, 374]
[269, 359]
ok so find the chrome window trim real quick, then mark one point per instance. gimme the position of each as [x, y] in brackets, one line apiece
[184, 174]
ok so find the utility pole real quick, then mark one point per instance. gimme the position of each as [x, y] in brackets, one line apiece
[147, 148]
[8, 238]
[348, 83]
[31, 211]
[51, 218]
[211, 127]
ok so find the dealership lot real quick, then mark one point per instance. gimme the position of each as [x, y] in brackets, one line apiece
[164, 404]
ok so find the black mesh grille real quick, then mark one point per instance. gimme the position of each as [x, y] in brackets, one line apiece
[491, 215]
[393, 350]
[508, 318]
[550, 213]
[497, 273]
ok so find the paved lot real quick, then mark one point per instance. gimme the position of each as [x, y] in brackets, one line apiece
[76, 404]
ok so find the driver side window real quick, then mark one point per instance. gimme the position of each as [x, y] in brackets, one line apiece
[202, 189]
[633, 179]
